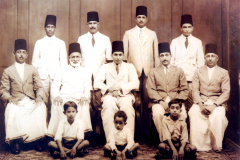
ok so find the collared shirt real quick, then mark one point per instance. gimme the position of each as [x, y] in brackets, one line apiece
[121, 138]
[70, 131]
[138, 29]
[210, 72]
[175, 129]
[72, 82]
[20, 69]
[165, 68]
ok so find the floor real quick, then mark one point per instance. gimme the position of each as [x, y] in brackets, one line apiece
[231, 151]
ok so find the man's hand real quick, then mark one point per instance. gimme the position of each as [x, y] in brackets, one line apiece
[175, 154]
[13, 100]
[164, 105]
[200, 104]
[63, 154]
[38, 101]
[73, 152]
[210, 108]
[58, 100]
[115, 93]
[83, 101]
[181, 154]
[114, 88]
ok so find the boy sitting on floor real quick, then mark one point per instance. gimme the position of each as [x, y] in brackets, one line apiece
[121, 143]
[175, 135]
[69, 136]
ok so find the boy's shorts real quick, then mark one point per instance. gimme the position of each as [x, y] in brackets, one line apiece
[121, 148]
[69, 143]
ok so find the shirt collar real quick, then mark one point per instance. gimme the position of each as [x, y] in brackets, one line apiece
[66, 121]
[143, 29]
[210, 68]
[19, 65]
[50, 38]
[166, 67]
[189, 37]
[170, 120]
[119, 65]
[95, 34]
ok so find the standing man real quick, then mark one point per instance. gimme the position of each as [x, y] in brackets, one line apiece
[22, 91]
[187, 52]
[95, 47]
[49, 55]
[141, 49]
[121, 78]
[211, 90]
[166, 82]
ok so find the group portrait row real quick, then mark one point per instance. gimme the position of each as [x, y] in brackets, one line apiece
[181, 88]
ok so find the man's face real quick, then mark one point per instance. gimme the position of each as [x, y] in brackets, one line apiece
[70, 113]
[141, 20]
[50, 29]
[165, 58]
[211, 59]
[187, 29]
[75, 59]
[174, 110]
[93, 26]
[119, 123]
[117, 57]
[20, 55]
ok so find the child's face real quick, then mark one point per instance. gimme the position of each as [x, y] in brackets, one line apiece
[175, 110]
[70, 113]
[119, 123]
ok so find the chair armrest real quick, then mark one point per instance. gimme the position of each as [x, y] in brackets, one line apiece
[96, 96]
[137, 96]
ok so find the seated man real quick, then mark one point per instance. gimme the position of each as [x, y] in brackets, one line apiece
[121, 78]
[175, 135]
[22, 91]
[121, 143]
[211, 90]
[165, 83]
[71, 83]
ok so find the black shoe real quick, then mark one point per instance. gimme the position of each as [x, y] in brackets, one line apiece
[107, 153]
[113, 155]
[39, 145]
[134, 153]
[16, 148]
[158, 155]
[56, 154]
[128, 154]
[80, 153]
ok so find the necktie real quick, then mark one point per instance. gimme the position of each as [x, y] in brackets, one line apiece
[93, 41]
[117, 69]
[186, 43]
[141, 35]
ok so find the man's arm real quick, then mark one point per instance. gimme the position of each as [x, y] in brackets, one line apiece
[183, 94]
[87, 86]
[151, 87]
[173, 52]
[108, 49]
[5, 87]
[200, 55]
[125, 45]
[133, 81]
[63, 54]
[36, 55]
[155, 51]
[37, 85]
[56, 85]
[101, 77]
[196, 88]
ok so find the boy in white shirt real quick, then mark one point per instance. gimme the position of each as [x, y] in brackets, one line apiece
[121, 144]
[69, 139]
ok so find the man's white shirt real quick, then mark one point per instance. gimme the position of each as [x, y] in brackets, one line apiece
[20, 69]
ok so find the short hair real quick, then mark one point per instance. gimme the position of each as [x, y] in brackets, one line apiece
[175, 101]
[69, 104]
[121, 114]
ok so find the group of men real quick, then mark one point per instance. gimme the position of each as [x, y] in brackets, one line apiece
[160, 71]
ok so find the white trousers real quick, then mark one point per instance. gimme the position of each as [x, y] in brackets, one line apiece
[158, 114]
[26, 120]
[47, 87]
[111, 105]
[57, 115]
[206, 132]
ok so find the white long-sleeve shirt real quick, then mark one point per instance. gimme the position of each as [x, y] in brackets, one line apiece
[94, 57]
[49, 55]
[72, 82]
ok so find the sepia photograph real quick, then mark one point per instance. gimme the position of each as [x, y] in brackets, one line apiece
[120, 79]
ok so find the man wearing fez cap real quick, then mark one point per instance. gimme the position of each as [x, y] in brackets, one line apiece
[187, 52]
[71, 83]
[164, 83]
[120, 78]
[49, 55]
[95, 47]
[141, 49]
[211, 90]
[22, 93]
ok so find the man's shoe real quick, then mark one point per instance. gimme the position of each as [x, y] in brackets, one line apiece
[113, 155]
[16, 148]
[56, 154]
[128, 154]
[134, 153]
[80, 153]
[107, 153]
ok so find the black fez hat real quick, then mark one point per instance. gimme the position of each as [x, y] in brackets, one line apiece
[74, 47]
[141, 10]
[92, 16]
[186, 18]
[211, 48]
[117, 46]
[51, 19]
[163, 47]
[20, 44]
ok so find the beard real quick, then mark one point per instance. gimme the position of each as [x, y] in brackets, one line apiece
[75, 64]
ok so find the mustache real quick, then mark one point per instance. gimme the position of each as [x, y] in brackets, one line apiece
[93, 28]
[165, 60]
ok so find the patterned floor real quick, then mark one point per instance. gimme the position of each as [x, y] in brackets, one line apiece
[230, 152]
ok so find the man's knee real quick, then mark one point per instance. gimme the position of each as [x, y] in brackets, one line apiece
[194, 110]
[157, 111]
[52, 144]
